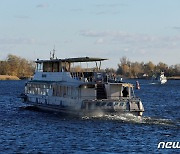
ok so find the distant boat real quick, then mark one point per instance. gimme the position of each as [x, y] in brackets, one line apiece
[161, 79]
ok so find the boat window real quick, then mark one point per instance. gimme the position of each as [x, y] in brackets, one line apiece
[39, 67]
[60, 91]
[55, 90]
[69, 91]
[65, 67]
[55, 67]
[37, 89]
[64, 91]
[47, 67]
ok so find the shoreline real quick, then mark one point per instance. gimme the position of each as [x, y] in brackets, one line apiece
[174, 78]
[8, 77]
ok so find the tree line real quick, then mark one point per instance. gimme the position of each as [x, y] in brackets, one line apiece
[129, 69]
[22, 68]
[17, 66]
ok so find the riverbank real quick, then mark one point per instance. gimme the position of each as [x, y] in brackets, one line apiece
[174, 78]
[8, 77]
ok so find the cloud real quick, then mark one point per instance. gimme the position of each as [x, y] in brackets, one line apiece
[44, 5]
[134, 44]
[114, 34]
[113, 37]
[67, 41]
[91, 33]
[77, 10]
[111, 8]
[102, 12]
[114, 44]
[112, 5]
[99, 41]
[106, 12]
[125, 37]
[176, 28]
[17, 41]
[21, 17]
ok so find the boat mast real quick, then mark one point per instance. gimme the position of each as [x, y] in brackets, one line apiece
[52, 54]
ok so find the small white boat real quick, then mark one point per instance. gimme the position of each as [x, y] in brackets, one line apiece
[58, 87]
[161, 79]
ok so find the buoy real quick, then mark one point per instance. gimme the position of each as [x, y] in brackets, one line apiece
[137, 85]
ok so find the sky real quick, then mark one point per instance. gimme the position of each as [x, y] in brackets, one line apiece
[141, 30]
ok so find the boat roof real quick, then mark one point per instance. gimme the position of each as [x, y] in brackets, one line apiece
[72, 60]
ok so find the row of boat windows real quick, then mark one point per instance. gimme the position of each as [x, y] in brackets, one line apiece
[53, 67]
[42, 86]
[52, 90]
[64, 91]
[37, 90]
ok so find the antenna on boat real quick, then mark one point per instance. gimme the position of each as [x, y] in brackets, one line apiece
[53, 55]
[50, 55]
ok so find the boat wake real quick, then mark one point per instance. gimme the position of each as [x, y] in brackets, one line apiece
[130, 118]
[153, 83]
[124, 118]
[158, 121]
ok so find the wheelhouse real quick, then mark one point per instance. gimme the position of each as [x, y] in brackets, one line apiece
[64, 65]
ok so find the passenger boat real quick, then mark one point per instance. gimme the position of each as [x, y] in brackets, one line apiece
[56, 86]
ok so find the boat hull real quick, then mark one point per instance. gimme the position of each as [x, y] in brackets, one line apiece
[93, 107]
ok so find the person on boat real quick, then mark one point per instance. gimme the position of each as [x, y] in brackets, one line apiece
[125, 92]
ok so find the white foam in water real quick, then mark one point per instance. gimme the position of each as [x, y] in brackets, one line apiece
[157, 121]
[126, 117]
[152, 83]
[130, 118]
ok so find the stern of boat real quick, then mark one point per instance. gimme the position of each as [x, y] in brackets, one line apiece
[105, 106]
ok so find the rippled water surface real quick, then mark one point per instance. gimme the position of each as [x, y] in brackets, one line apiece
[32, 131]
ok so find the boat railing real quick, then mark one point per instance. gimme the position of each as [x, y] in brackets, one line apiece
[109, 98]
[93, 77]
[88, 76]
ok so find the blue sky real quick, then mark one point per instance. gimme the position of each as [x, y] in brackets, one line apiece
[141, 30]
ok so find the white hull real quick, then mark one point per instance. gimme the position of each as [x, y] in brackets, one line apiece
[163, 81]
[86, 107]
[88, 112]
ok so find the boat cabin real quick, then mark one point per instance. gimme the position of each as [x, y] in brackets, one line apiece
[92, 83]
[64, 70]
[64, 65]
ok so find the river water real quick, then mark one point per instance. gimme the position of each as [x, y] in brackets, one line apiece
[32, 131]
